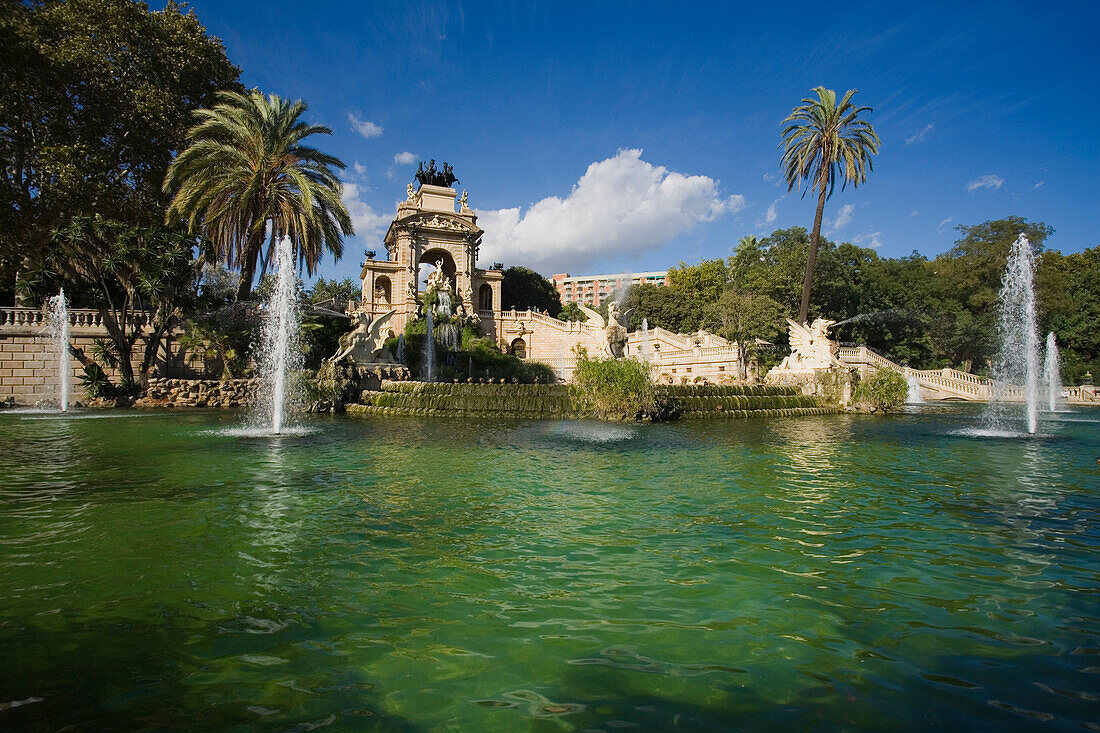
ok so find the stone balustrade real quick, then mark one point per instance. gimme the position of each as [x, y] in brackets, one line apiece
[13, 318]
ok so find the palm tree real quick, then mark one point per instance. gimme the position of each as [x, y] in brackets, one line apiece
[246, 177]
[824, 141]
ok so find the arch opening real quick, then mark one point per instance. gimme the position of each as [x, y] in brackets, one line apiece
[485, 297]
[430, 261]
[518, 348]
[383, 290]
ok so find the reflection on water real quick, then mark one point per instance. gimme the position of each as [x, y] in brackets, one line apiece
[830, 573]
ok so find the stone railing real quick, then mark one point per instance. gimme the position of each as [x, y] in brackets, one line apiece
[952, 381]
[961, 388]
[19, 318]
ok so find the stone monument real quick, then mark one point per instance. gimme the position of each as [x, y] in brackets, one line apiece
[614, 328]
[811, 351]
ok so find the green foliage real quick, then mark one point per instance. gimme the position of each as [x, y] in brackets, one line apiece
[1068, 288]
[704, 281]
[334, 291]
[94, 381]
[522, 288]
[95, 97]
[612, 389]
[663, 307]
[226, 334]
[745, 317]
[572, 312]
[123, 270]
[884, 390]
[246, 167]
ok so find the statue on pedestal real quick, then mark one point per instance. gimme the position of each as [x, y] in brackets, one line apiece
[614, 328]
[366, 342]
[431, 177]
[811, 348]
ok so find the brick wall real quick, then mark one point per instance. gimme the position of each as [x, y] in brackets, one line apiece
[28, 364]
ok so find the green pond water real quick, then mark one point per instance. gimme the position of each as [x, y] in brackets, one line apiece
[159, 571]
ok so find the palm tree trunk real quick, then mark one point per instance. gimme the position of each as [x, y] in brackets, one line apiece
[248, 265]
[811, 258]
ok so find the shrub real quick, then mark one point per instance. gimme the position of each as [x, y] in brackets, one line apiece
[884, 390]
[612, 389]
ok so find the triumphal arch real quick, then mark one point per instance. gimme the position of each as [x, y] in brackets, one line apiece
[429, 230]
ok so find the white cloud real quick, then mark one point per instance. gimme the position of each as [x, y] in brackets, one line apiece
[365, 128]
[914, 212]
[770, 215]
[404, 158]
[368, 225]
[620, 208]
[940, 227]
[872, 240]
[772, 179]
[986, 181]
[1039, 184]
[921, 135]
[844, 216]
[360, 169]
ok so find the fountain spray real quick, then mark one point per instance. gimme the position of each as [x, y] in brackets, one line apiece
[59, 335]
[429, 349]
[280, 334]
[1018, 362]
[1052, 374]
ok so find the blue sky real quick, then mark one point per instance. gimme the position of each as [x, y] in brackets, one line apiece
[597, 137]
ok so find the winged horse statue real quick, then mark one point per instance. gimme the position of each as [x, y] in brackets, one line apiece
[810, 346]
[366, 343]
[614, 328]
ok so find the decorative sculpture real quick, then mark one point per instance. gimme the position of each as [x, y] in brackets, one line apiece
[431, 177]
[464, 202]
[810, 347]
[411, 192]
[438, 280]
[614, 328]
[366, 343]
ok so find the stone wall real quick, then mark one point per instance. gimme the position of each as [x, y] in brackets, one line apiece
[28, 369]
[227, 393]
[28, 365]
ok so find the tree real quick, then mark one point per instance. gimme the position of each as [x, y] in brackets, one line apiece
[95, 97]
[663, 307]
[523, 288]
[1068, 291]
[247, 175]
[335, 291]
[127, 272]
[571, 312]
[823, 141]
[705, 280]
[968, 279]
[745, 317]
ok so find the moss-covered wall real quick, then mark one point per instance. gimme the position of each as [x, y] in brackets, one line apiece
[552, 400]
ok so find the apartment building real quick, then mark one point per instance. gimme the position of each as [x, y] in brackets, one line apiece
[591, 290]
